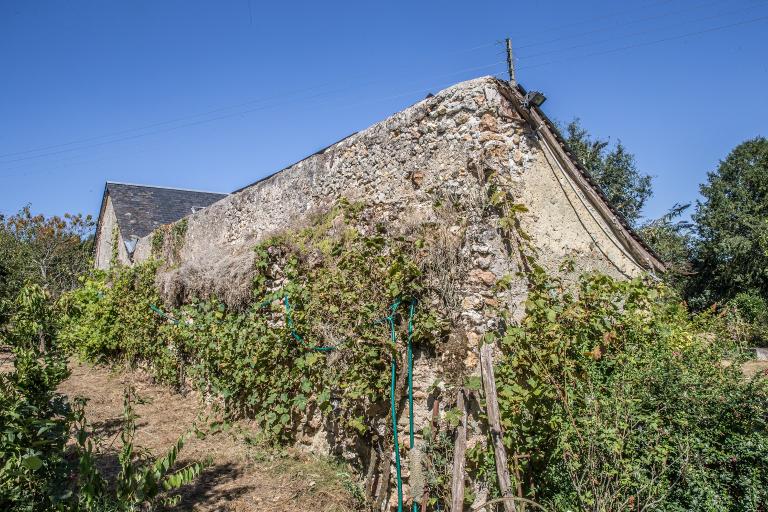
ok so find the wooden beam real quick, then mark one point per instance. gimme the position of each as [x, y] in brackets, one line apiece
[542, 126]
[494, 423]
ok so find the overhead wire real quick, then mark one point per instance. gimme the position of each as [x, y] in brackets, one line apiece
[261, 100]
[649, 43]
[614, 26]
[640, 33]
[152, 125]
[207, 120]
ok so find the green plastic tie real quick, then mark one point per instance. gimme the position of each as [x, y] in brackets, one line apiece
[296, 335]
[163, 314]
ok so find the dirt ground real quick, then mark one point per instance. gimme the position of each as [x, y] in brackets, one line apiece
[752, 368]
[244, 476]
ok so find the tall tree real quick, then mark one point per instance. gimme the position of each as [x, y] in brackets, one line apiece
[731, 253]
[613, 168]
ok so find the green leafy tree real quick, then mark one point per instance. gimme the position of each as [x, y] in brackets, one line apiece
[34, 418]
[672, 239]
[731, 253]
[613, 168]
[49, 251]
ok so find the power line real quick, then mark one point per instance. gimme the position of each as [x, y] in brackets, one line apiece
[160, 123]
[649, 43]
[58, 148]
[265, 104]
[607, 16]
[643, 32]
[250, 102]
[614, 26]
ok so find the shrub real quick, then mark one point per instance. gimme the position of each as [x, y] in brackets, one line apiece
[617, 398]
[37, 472]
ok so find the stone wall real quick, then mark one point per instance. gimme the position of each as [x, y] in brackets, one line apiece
[428, 164]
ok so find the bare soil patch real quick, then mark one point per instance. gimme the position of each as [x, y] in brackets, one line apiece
[244, 476]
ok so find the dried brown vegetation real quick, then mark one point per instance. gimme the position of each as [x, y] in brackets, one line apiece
[244, 476]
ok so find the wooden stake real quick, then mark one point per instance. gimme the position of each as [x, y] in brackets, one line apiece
[459, 450]
[494, 422]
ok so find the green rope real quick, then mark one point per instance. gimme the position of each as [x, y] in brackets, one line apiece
[297, 336]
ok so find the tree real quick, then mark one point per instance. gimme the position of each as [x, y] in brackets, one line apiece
[731, 253]
[48, 251]
[672, 239]
[613, 168]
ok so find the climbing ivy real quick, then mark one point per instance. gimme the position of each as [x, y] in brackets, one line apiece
[340, 277]
[174, 234]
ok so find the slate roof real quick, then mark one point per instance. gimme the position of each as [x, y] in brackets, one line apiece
[140, 209]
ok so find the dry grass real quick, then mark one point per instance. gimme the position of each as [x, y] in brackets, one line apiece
[231, 280]
[245, 476]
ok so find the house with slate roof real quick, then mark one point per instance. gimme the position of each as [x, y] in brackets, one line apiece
[130, 212]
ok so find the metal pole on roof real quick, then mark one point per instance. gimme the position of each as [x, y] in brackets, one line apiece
[511, 64]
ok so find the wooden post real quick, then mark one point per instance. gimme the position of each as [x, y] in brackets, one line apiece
[494, 422]
[382, 492]
[459, 461]
[433, 436]
[511, 64]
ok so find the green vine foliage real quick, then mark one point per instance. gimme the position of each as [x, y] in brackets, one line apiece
[158, 240]
[341, 277]
[168, 240]
[614, 397]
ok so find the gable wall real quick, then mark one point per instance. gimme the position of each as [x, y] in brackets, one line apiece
[108, 223]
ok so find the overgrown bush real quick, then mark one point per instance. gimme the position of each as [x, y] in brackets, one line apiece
[109, 316]
[615, 398]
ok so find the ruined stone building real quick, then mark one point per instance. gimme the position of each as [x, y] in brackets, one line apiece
[397, 165]
[406, 168]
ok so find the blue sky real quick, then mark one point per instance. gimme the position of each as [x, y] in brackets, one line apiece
[214, 95]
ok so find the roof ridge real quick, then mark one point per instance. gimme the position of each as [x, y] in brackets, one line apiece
[167, 188]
